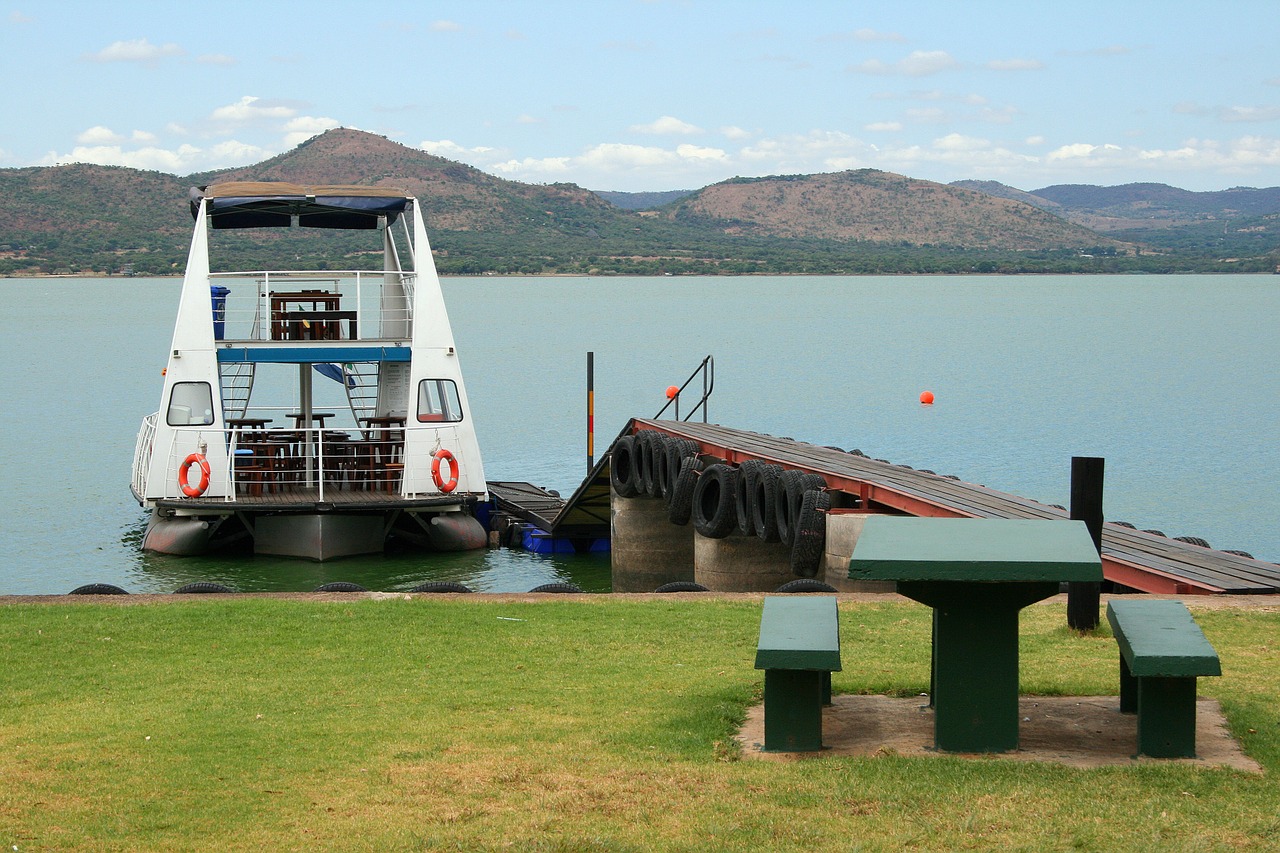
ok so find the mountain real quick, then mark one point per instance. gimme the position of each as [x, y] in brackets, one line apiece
[880, 207]
[81, 218]
[1130, 206]
[641, 201]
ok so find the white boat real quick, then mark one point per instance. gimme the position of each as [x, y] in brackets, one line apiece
[398, 458]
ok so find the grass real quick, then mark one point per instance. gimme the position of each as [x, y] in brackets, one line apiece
[606, 724]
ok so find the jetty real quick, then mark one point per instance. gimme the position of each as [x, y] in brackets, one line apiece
[648, 548]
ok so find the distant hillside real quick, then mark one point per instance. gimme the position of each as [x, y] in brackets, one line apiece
[641, 201]
[879, 207]
[1131, 206]
[83, 218]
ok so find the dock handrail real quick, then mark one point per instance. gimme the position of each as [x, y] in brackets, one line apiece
[707, 369]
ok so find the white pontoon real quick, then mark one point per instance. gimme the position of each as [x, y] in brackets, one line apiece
[398, 458]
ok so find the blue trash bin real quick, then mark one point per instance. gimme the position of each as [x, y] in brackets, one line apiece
[218, 294]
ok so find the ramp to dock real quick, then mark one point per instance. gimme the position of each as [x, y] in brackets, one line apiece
[1133, 558]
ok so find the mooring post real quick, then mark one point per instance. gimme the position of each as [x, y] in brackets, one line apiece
[1083, 599]
[591, 411]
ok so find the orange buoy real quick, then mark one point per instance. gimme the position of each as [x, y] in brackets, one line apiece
[672, 391]
[926, 398]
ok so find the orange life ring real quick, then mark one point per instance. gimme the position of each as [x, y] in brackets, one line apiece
[197, 490]
[443, 455]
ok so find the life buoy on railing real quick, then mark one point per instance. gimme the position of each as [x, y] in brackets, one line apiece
[443, 455]
[198, 489]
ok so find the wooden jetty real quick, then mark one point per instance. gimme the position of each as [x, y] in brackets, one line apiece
[1131, 558]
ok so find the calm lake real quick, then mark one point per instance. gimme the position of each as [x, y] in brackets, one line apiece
[1172, 379]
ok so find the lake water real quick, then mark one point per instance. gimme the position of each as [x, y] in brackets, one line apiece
[1172, 379]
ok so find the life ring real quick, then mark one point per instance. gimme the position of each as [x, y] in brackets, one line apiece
[196, 490]
[443, 455]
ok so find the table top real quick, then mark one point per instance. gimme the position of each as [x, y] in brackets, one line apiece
[974, 549]
[248, 422]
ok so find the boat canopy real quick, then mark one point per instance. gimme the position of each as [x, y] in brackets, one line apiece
[273, 204]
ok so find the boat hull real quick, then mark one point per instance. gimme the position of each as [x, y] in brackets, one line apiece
[319, 536]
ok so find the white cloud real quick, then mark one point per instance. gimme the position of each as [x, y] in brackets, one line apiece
[534, 168]
[1081, 151]
[144, 137]
[696, 152]
[452, 150]
[301, 128]
[445, 27]
[99, 135]
[136, 50]
[528, 119]
[919, 63]
[251, 109]
[20, 18]
[664, 126]
[735, 133]
[960, 142]
[1249, 113]
[217, 59]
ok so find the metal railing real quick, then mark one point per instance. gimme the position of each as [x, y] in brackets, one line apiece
[707, 370]
[343, 305]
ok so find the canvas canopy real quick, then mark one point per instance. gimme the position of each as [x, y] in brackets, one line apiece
[271, 204]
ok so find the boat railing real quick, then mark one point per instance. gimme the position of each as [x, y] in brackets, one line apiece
[276, 464]
[142, 453]
[315, 305]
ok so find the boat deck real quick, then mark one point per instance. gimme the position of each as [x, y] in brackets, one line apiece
[1133, 558]
[308, 500]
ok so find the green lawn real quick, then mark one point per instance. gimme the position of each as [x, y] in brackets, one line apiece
[264, 724]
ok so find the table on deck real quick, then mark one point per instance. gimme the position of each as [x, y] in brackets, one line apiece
[976, 574]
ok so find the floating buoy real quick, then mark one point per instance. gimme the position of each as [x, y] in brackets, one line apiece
[926, 398]
[672, 391]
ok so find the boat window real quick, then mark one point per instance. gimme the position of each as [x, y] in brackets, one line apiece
[190, 403]
[438, 401]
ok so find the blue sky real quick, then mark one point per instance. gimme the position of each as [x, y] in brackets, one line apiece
[661, 94]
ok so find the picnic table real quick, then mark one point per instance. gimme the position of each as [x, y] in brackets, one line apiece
[976, 574]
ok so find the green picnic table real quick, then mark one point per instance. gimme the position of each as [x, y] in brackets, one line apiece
[976, 574]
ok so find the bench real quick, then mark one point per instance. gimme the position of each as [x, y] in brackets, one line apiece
[799, 648]
[1162, 652]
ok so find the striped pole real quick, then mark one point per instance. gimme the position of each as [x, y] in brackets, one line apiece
[591, 411]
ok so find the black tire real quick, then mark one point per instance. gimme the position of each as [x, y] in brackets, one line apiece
[1124, 524]
[677, 450]
[1192, 540]
[763, 513]
[624, 469]
[202, 587]
[806, 585]
[748, 473]
[792, 486]
[713, 512]
[1154, 532]
[809, 548]
[441, 586]
[98, 589]
[646, 448]
[1238, 553]
[680, 509]
[557, 587]
[340, 586]
[682, 586]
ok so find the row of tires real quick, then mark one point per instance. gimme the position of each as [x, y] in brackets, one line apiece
[440, 586]
[755, 498]
[335, 586]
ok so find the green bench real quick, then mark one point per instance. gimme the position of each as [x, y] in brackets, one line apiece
[1162, 652]
[799, 648]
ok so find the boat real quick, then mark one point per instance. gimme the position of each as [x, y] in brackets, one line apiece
[239, 449]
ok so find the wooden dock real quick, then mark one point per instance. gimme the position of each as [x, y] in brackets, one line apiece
[1132, 558]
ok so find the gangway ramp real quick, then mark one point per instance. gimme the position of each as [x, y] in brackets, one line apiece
[1133, 558]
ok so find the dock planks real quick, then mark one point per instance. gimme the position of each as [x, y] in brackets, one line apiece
[1133, 558]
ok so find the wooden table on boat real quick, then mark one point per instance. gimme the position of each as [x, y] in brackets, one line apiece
[976, 574]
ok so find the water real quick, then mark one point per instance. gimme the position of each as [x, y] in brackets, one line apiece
[1171, 378]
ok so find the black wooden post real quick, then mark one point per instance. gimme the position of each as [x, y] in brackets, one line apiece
[1083, 599]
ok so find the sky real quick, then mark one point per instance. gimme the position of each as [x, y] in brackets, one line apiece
[650, 95]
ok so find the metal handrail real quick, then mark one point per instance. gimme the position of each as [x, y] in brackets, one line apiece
[708, 371]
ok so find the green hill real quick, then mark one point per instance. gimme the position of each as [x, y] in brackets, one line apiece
[87, 219]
